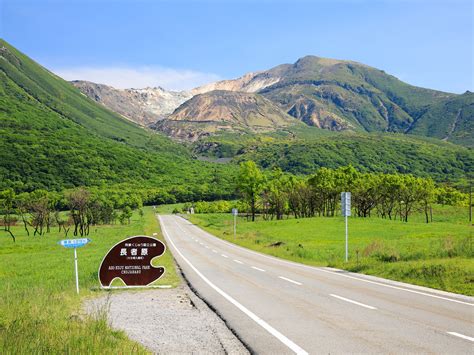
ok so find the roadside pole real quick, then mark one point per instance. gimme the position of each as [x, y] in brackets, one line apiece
[347, 241]
[234, 213]
[346, 211]
[75, 243]
[77, 273]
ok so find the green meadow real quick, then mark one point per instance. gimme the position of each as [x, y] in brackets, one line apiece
[437, 254]
[40, 311]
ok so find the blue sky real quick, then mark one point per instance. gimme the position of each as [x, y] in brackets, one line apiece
[182, 44]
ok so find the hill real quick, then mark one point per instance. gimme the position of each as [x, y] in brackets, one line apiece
[220, 110]
[457, 124]
[304, 150]
[54, 137]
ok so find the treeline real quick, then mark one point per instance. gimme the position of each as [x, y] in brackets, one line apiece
[77, 209]
[392, 196]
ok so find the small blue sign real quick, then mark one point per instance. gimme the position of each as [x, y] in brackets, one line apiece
[74, 243]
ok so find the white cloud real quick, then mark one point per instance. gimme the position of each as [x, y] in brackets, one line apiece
[127, 77]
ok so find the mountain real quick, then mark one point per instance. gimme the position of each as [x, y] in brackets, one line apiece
[348, 95]
[221, 110]
[53, 137]
[142, 106]
[336, 95]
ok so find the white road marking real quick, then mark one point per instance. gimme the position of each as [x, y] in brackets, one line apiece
[290, 344]
[206, 246]
[257, 268]
[225, 256]
[238, 261]
[290, 280]
[354, 302]
[461, 336]
[214, 250]
[330, 272]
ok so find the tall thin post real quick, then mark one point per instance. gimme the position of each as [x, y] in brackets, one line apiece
[347, 241]
[470, 201]
[77, 274]
[235, 226]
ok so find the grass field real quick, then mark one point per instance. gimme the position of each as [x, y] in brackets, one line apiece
[438, 254]
[39, 309]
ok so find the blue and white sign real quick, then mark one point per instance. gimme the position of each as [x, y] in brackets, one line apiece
[235, 211]
[74, 243]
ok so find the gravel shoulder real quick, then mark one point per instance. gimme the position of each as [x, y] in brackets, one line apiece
[167, 321]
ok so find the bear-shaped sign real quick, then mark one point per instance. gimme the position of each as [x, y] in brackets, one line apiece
[130, 261]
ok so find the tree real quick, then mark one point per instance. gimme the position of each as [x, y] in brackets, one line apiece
[7, 198]
[250, 184]
[78, 202]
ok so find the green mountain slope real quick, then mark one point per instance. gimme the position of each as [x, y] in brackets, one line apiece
[341, 95]
[303, 150]
[457, 124]
[52, 136]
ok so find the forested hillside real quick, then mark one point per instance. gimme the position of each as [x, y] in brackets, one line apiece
[304, 151]
[54, 137]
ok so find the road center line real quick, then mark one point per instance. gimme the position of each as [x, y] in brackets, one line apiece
[225, 256]
[206, 246]
[238, 261]
[351, 301]
[290, 280]
[461, 336]
[214, 250]
[327, 271]
[290, 344]
[257, 268]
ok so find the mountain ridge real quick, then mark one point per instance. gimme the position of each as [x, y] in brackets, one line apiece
[338, 95]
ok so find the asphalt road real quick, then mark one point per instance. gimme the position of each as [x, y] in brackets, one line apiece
[279, 307]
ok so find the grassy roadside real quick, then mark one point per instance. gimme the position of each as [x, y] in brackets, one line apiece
[438, 254]
[39, 309]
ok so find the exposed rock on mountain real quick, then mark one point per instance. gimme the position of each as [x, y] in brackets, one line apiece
[250, 82]
[143, 106]
[330, 94]
[220, 110]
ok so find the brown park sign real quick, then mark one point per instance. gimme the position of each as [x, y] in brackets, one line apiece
[130, 261]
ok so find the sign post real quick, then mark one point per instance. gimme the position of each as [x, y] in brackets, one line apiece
[75, 243]
[346, 211]
[235, 212]
[131, 261]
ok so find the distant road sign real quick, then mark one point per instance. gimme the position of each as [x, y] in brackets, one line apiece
[74, 243]
[235, 211]
[346, 204]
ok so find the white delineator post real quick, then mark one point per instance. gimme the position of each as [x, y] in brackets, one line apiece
[347, 241]
[235, 212]
[346, 211]
[77, 274]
